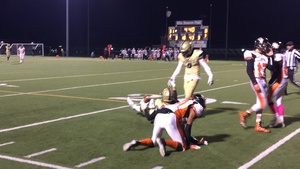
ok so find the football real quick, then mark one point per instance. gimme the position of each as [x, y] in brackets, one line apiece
[147, 98]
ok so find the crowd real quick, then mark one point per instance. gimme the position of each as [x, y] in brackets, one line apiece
[149, 53]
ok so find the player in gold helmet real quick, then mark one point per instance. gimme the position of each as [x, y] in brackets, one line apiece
[8, 48]
[192, 59]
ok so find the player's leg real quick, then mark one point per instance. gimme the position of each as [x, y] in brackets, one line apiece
[175, 132]
[292, 76]
[272, 95]
[189, 87]
[261, 103]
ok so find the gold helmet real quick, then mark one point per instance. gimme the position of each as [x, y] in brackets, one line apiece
[186, 48]
[166, 95]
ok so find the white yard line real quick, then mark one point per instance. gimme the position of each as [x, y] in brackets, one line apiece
[76, 76]
[81, 87]
[95, 112]
[59, 119]
[269, 150]
[4, 144]
[90, 162]
[32, 162]
[40, 153]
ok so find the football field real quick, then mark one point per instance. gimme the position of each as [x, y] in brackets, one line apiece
[72, 112]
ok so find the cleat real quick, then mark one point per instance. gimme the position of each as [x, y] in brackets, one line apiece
[162, 148]
[273, 122]
[243, 116]
[259, 128]
[129, 101]
[279, 123]
[130, 145]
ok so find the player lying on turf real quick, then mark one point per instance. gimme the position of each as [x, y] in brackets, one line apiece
[170, 117]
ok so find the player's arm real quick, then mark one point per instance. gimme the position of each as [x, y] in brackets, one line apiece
[277, 65]
[174, 95]
[188, 127]
[207, 69]
[171, 81]
[250, 70]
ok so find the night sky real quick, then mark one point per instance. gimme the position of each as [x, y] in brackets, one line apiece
[136, 23]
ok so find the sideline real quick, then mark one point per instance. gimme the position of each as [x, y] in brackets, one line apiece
[269, 150]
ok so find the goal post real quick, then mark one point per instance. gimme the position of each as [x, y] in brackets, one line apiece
[3, 47]
[30, 48]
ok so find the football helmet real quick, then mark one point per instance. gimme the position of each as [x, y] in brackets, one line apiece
[186, 48]
[276, 46]
[200, 99]
[166, 95]
[262, 44]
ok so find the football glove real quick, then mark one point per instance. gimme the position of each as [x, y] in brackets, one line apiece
[171, 82]
[210, 80]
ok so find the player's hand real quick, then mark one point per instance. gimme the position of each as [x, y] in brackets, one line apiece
[210, 80]
[171, 82]
[195, 147]
[202, 141]
[257, 88]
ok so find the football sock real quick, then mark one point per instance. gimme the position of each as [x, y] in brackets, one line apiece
[171, 143]
[280, 110]
[146, 142]
[273, 107]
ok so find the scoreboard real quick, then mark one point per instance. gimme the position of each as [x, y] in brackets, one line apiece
[193, 31]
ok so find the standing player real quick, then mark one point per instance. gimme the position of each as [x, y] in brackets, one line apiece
[21, 53]
[169, 118]
[278, 84]
[7, 51]
[257, 61]
[191, 59]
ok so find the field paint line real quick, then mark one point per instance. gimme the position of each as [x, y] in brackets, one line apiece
[33, 162]
[81, 87]
[90, 162]
[4, 144]
[158, 167]
[76, 76]
[60, 119]
[40, 153]
[218, 88]
[269, 150]
[95, 112]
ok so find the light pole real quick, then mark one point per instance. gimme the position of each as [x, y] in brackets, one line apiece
[67, 27]
[226, 43]
[210, 26]
[88, 27]
[168, 14]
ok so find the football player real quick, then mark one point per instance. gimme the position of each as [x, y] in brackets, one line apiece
[191, 59]
[278, 86]
[257, 61]
[21, 53]
[169, 118]
[169, 96]
[8, 49]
